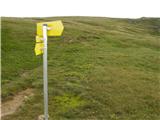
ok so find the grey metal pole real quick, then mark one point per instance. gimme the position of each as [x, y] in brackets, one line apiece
[45, 72]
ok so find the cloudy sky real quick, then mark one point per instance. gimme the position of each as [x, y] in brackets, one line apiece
[103, 8]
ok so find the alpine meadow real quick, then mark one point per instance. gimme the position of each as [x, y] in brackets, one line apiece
[99, 69]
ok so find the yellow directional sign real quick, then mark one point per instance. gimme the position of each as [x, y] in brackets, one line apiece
[39, 39]
[55, 28]
[39, 48]
[39, 45]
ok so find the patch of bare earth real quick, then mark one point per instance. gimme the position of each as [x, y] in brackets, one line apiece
[10, 106]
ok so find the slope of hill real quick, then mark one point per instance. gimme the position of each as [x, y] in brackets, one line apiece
[101, 68]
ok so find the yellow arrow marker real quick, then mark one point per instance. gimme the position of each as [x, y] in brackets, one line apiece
[39, 46]
[55, 28]
[39, 39]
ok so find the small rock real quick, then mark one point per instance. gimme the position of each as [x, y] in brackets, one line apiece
[26, 98]
[41, 117]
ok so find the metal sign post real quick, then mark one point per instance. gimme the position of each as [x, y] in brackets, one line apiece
[46, 29]
[45, 72]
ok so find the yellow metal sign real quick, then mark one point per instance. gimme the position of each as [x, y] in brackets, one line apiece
[39, 46]
[39, 39]
[55, 28]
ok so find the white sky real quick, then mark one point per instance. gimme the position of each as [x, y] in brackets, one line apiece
[105, 8]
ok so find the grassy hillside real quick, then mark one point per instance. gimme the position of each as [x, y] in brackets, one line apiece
[100, 69]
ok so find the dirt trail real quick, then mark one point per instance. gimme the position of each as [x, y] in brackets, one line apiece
[10, 106]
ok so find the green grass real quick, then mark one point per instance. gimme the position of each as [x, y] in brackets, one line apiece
[100, 69]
